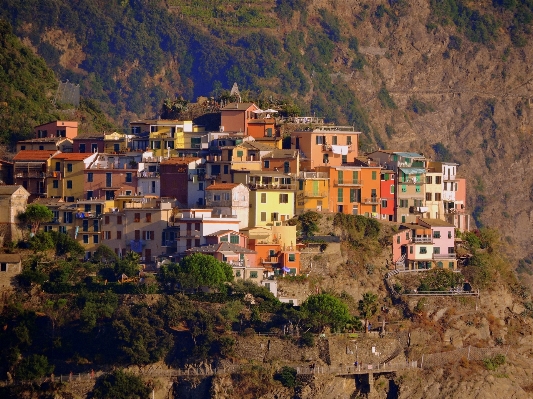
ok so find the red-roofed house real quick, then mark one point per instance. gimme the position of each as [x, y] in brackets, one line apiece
[236, 116]
[30, 168]
[229, 199]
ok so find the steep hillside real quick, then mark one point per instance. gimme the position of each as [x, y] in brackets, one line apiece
[451, 80]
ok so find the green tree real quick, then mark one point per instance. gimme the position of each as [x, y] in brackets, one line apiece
[120, 385]
[105, 255]
[324, 310]
[66, 245]
[33, 367]
[199, 270]
[35, 215]
[368, 306]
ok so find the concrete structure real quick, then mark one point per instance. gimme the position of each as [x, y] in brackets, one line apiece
[388, 200]
[184, 179]
[312, 192]
[62, 144]
[433, 191]
[88, 144]
[443, 242]
[66, 178]
[10, 267]
[235, 117]
[229, 199]
[108, 176]
[13, 201]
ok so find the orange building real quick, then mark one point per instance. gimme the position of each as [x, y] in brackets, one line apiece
[56, 129]
[235, 117]
[326, 145]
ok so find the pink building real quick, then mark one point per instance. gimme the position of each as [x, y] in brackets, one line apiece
[56, 129]
[388, 204]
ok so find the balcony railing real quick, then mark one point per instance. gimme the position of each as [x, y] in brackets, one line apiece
[270, 259]
[169, 243]
[421, 240]
[329, 147]
[372, 200]
[412, 180]
[418, 209]
[444, 256]
[30, 174]
[147, 174]
[258, 186]
[313, 175]
[312, 194]
[348, 182]
[220, 203]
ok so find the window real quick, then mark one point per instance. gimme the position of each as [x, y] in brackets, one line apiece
[82, 148]
[423, 250]
[197, 242]
[384, 203]
[348, 140]
[436, 250]
[148, 235]
[429, 179]
[325, 158]
[137, 217]
[253, 274]
[404, 188]
[148, 217]
[374, 208]
[216, 197]
[224, 239]
[292, 257]
[284, 198]
[340, 176]
[85, 225]
[119, 219]
[263, 198]
[234, 239]
[58, 166]
[238, 273]
[436, 234]
[69, 183]
[439, 265]
[119, 235]
[398, 239]
[451, 250]
[128, 177]
[417, 189]
[90, 177]
[267, 164]
[263, 216]
[108, 179]
[374, 175]
[22, 147]
[355, 195]
[86, 239]
[69, 167]
[226, 169]
[404, 203]
[55, 184]
[411, 249]
[89, 194]
[437, 197]
[334, 140]
[107, 235]
[240, 153]
[339, 194]
[429, 196]
[438, 179]
[197, 226]
[449, 234]
[450, 265]
[445, 186]
[392, 189]
[344, 159]
[274, 216]
[87, 208]
[320, 139]
[95, 225]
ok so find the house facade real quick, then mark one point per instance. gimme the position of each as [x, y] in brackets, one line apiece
[229, 199]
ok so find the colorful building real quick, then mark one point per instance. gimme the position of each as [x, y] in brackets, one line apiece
[66, 175]
[229, 199]
[312, 192]
[388, 198]
[67, 129]
[30, 170]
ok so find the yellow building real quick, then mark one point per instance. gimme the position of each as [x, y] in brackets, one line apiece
[271, 198]
[65, 177]
[312, 192]
[115, 143]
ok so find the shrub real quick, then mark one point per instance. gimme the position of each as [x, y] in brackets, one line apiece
[287, 377]
[418, 106]
[307, 339]
[494, 362]
[385, 98]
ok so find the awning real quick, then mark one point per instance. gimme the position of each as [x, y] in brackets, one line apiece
[285, 269]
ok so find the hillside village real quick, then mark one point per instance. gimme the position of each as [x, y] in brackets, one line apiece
[170, 188]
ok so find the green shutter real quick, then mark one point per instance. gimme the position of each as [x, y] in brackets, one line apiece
[239, 153]
[340, 176]
[355, 177]
[339, 195]
[374, 175]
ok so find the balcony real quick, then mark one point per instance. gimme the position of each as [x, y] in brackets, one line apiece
[418, 209]
[412, 180]
[191, 234]
[30, 175]
[220, 203]
[348, 182]
[312, 194]
[372, 201]
[329, 147]
[270, 259]
[147, 174]
[169, 243]
[259, 186]
[196, 177]
[443, 256]
[421, 240]
[313, 175]
[88, 215]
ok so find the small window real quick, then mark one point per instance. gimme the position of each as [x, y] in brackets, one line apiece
[292, 257]
[436, 250]
[137, 217]
[451, 265]
[69, 167]
[148, 217]
[55, 184]
[267, 164]
[392, 189]
[119, 235]
[234, 239]
[238, 273]
[398, 239]
[253, 274]
[423, 250]
[284, 198]
[436, 234]
[69, 183]
[240, 153]
[411, 249]
[3, 267]
[374, 175]
[417, 189]
[404, 188]
[263, 216]
[451, 250]
[86, 239]
[440, 265]
[90, 177]
[429, 196]
[449, 234]
[429, 179]
[263, 198]
[119, 219]
[128, 177]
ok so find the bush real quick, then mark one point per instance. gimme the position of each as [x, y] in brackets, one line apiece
[33, 367]
[493, 363]
[287, 377]
[307, 339]
[385, 99]
[120, 385]
[418, 106]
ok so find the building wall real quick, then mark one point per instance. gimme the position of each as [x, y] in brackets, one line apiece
[434, 190]
[262, 213]
[119, 184]
[370, 193]
[388, 203]
[312, 195]
[70, 128]
[7, 276]
[10, 207]
[308, 145]
[260, 128]
[76, 179]
[91, 145]
[176, 180]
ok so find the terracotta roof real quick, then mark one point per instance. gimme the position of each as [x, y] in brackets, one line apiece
[222, 232]
[8, 190]
[238, 106]
[179, 161]
[222, 186]
[34, 155]
[59, 123]
[10, 258]
[436, 222]
[73, 156]
[277, 153]
[44, 140]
